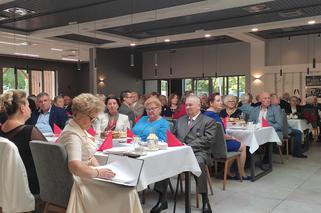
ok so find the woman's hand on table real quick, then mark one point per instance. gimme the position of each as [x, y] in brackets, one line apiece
[105, 173]
[104, 134]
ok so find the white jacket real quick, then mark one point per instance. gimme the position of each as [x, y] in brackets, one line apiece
[15, 195]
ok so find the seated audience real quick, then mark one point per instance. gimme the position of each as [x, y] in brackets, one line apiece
[80, 147]
[294, 108]
[47, 115]
[245, 105]
[15, 104]
[153, 122]
[284, 102]
[173, 105]
[232, 144]
[295, 133]
[165, 107]
[111, 120]
[59, 101]
[258, 103]
[137, 106]
[67, 104]
[230, 111]
[271, 113]
[204, 102]
[197, 131]
[181, 111]
[125, 107]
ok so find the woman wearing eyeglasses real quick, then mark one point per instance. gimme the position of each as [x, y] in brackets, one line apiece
[153, 122]
[88, 195]
[112, 120]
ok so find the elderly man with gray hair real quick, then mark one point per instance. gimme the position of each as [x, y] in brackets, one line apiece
[197, 131]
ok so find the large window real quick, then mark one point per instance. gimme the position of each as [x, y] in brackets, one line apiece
[40, 81]
[164, 87]
[201, 86]
[187, 83]
[15, 79]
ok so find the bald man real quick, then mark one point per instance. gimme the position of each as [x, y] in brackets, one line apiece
[272, 113]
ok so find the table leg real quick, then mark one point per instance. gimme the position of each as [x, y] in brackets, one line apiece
[188, 192]
[255, 177]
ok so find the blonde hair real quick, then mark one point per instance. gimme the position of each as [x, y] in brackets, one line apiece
[11, 100]
[86, 103]
[152, 100]
[229, 98]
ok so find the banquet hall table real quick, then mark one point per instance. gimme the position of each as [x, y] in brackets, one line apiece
[300, 124]
[253, 138]
[163, 164]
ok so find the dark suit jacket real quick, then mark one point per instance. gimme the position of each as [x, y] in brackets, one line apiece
[57, 116]
[285, 105]
[299, 110]
[200, 136]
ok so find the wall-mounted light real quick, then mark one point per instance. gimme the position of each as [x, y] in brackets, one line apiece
[101, 81]
[281, 72]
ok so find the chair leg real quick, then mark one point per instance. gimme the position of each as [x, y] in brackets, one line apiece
[238, 161]
[171, 187]
[143, 196]
[181, 184]
[225, 174]
[209, 180]
[197, 197]
[281, 155]
[45, 210]
[215, 168]
[287, 147]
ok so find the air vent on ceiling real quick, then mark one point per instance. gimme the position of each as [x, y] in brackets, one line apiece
[291, 13]
[18, 11]
[257, 8]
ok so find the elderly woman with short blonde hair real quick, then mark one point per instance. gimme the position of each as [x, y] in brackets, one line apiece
[230, 111]
[88, 195]
[153, 122]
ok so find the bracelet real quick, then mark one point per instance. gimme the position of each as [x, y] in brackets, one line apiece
[97, 173]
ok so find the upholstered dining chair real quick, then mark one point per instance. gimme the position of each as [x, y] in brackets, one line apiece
[220, 154]
[55, 180]
[15, 195]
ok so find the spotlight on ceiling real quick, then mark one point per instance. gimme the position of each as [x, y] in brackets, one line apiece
[255, 29]
[207, 35]
[132, 44]
[311, 22]
[167, 40]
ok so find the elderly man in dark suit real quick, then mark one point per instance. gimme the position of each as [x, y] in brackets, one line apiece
[47, 115]
[197, 131]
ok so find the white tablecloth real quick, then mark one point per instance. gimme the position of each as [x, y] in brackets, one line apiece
[255, 137]
[299, 124]
[164, 164]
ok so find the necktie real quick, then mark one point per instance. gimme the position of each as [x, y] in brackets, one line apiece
[190, 122]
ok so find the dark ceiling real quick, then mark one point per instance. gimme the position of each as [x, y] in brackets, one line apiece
[55, 13]
[220, 19]
[187, 43]
[290, 31]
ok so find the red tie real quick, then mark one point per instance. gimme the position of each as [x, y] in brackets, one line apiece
[190, 123]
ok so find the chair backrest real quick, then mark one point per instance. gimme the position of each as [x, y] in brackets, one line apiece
[285, 127]
[219, 149]
[51, 163]
[15, 195]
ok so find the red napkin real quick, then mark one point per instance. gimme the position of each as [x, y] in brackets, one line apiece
[130, 136]
[108, 142]
[137, 119]
[56, 129]
[265, 123]
[172, 140]
[91, 131]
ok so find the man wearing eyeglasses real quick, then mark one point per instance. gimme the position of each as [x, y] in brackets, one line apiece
[47, 115]
[125, 107]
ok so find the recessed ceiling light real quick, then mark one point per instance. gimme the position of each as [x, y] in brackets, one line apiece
[56, 49]
[72, 22]
[207, 35]
[167, 40]
[133, 44]
[14, 44]
[311, 22]
[254, 29]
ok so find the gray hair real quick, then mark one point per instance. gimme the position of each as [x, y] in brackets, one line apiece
[245, 98]
[229, 98]
[195, 98]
